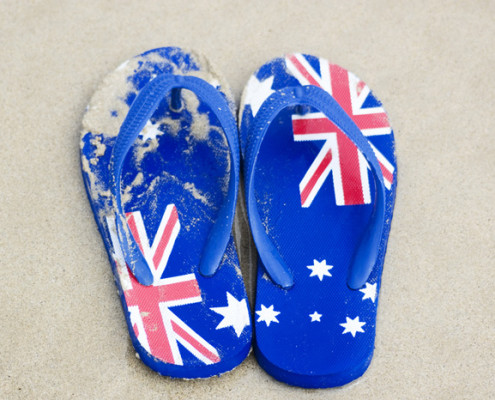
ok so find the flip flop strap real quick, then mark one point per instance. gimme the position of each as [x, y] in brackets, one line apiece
[139, 113]
[367, 251]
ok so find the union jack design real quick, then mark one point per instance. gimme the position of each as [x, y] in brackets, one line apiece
[162, 245]
[339, 154]
[157, 328]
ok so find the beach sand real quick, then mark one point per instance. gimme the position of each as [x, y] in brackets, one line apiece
[62, 331]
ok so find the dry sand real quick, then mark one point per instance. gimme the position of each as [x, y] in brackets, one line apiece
[62, 332]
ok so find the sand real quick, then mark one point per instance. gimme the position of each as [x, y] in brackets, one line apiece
[62, 330]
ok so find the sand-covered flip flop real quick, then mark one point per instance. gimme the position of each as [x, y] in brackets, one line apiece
[320, 176]
[161, 169]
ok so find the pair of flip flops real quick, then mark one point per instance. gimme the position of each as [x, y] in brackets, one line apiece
[161, 167]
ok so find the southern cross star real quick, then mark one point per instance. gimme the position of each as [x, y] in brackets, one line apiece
[315, 317]
[235, 314]
[268, 315]
[320, 269]
[150, 131]
[353, 326]
[369, 292]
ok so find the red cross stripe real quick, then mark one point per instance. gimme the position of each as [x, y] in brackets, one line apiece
[163, 243]
[339, 154]
[157, 328]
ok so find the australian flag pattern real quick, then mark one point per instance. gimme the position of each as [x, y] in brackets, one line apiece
[320, 323]
[155, 325]
[338, 155]
[184, 324]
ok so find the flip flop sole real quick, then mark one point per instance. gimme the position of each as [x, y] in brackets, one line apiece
[174, 182]
[315, 196]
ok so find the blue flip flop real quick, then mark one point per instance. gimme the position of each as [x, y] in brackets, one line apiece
[320, 176]
[161, 169]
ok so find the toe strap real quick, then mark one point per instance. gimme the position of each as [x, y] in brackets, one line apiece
[140, 112]
[367, 251]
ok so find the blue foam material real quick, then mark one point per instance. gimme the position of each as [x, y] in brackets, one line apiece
[200, 177]
[295, 349]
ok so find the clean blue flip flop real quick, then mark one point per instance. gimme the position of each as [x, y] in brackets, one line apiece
[320, 176]
[161, 169]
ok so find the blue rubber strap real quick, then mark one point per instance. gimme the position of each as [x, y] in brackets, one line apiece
[367, 251]
[140, 112]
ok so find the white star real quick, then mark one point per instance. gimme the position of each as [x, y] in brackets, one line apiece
[352, 326]
[267, 314]
[150, 131]
[315, 317]
[257, 92]
[235, 314]
[369, 292]
[320, 269]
